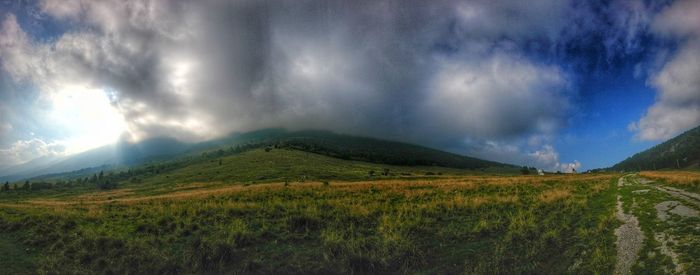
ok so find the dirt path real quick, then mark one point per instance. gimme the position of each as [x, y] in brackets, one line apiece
[681, 194]
[629, 238]
[664, 212]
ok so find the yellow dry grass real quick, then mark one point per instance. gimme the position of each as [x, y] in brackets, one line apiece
[403, 187]
[553, 195]
[678, 177]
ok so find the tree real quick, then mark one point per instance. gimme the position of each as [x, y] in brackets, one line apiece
[106, 185]
[6, 186]
[385, 172]
[525, 170]
[26, 185]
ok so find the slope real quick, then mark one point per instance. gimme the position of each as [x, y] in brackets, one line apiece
[321, 142]
[682, 151]
[365, 149]
[266, 165]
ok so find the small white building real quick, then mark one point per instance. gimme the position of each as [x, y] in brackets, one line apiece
[540, 172]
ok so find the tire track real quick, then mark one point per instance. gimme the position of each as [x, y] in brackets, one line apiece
[629, 238]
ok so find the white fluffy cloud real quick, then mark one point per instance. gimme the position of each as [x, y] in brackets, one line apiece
[26, 150]
[541, 155]
[677, 107]
[547, 157]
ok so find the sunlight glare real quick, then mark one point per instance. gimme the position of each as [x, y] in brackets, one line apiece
[87, 118]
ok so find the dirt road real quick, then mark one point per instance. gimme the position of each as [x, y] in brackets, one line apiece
[659, 233]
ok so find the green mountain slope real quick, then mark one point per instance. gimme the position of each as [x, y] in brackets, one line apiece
[336, 146]
[364, 149]
[237, 166]
[280, 155]
[281, 164]
[679, 152]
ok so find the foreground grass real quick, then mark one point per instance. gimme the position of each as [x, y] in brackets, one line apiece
[16, 258]
[455, 224]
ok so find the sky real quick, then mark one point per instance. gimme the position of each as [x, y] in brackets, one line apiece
[555, 84]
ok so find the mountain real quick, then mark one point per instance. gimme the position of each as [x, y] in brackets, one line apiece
[679, 152]
[369, 149]
[320, 142]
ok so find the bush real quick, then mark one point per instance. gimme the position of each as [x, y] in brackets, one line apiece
[41, 185]
[106, 185]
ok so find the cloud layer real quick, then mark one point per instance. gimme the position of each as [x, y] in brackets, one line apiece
[467, 76]
[677, 106]
[434, 74]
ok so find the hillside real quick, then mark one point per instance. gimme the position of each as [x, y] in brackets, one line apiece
[260, 165]
[682, 151]
[320, 142]
[364, 149]
[243, 166]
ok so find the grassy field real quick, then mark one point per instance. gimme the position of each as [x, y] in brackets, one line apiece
[443, 224]
[289, 211]
[686, 180]
[16, 258]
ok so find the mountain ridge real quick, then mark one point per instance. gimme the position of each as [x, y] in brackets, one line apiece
[679, 152]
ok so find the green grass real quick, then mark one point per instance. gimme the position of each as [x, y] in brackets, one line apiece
[16, 258]
[468, 224]
[289, 211]
[284, 164]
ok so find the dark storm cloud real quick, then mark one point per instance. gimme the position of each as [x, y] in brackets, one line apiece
[437, 72]
[364, 67]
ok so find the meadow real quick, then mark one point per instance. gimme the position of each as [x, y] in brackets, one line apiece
[688, 180]
[404, 222]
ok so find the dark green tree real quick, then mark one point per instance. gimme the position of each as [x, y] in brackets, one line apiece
[6, 186]
[525, 170]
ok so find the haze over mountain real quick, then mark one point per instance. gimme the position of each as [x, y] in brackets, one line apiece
[555, 84]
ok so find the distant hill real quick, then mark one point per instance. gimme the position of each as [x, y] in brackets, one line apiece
[271, 165]
[320, 142]
[679, 152]
[370, 149]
